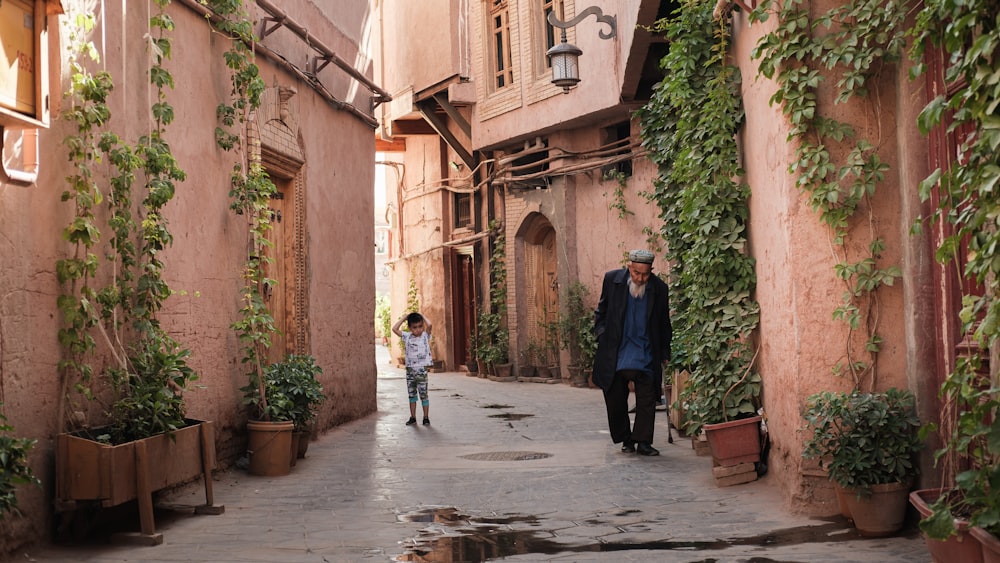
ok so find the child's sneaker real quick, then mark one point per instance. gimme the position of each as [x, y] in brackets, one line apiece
[411, 421]
[427, 421]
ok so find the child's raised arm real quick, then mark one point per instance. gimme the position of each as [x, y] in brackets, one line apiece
[399, 323]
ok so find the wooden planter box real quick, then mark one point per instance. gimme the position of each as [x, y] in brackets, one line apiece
[87, 470]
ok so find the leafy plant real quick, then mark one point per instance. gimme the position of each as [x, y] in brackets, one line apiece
[148, 374]
[88, 111]
[705, 212]
[550, 338]
[383, 316]
[293, 390]
[151, 399]
[576, 326]
[972, 446]
[14, 468]
[864, 439]
[968, 203]
[494, 338]
[618, 196]
[250, 192]
[852, 41]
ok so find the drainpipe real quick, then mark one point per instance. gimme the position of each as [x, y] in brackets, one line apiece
[29, 155]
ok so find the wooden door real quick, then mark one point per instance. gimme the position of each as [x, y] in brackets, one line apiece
[280, 288]
[463, 305]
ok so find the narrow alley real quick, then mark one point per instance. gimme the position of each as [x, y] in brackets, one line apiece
[505, 471]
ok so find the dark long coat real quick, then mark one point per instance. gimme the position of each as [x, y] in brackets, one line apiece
[609, 324]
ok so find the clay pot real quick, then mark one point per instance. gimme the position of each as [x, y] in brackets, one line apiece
[960, 547]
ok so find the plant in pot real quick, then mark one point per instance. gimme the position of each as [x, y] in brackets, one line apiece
[576, 332]
[530, 360]
[550, 345]
[494, 338]
[294, 379]
[149, 444]
[269, 425]
[471, 362]
[967, 508]
[868, 444]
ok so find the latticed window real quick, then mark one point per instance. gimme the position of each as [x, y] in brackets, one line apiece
[503, 68]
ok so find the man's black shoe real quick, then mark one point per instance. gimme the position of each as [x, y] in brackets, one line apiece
[628, 446]
[642, 448]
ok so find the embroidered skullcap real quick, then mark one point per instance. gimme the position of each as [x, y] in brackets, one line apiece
[641, 256]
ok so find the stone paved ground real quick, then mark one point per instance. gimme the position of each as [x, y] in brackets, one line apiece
[511, 471]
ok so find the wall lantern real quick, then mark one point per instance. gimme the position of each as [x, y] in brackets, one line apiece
[563, 57]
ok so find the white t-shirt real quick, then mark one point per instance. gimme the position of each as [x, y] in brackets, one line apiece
[418, 350]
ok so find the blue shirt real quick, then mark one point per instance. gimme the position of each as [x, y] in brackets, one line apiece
[634, 352]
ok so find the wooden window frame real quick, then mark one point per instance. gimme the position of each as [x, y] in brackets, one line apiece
[501, 53]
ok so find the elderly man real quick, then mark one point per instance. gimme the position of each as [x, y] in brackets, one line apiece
[632, 325]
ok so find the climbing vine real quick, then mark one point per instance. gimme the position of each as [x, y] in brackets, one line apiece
[704, 210]
[149, 384]
[493, 337]
[835, 165]
[618, 195]
[250, 191]
[968, 36]
[87, 111]
[149, 369]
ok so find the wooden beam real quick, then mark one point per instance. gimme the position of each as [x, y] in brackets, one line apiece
[395, 145]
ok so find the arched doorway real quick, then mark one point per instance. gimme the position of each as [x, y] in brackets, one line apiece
[540, 289]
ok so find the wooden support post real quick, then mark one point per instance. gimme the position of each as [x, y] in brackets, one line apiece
[207, 463]
[144, 496]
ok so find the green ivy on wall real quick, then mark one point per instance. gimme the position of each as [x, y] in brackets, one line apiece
[149, 369]
[704, 210]
[88, 111]
[836, 168]
[250, 190]
[968, 33]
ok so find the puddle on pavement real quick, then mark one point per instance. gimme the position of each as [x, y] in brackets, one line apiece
[496, 406]
[459, 537]
[511, 416]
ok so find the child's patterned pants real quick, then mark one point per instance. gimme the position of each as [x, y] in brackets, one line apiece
[416, 384]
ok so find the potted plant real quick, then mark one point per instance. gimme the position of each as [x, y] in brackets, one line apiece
[550, 346]
[471, 362]
[530, 361]
[967, 508]
[722, 400]
[868, 443]
[149, 443]
[271, 423]
[294, 379]
[576, 332]
[494, 338]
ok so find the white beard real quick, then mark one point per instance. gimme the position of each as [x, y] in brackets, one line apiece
[637, 291]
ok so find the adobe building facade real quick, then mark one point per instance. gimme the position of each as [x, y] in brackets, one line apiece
[313, 135]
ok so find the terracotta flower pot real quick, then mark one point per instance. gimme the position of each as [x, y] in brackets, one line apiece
[734, 442]
[270, 447]
[842, 493]
[960, 547]
[880, 514]
[989, 543]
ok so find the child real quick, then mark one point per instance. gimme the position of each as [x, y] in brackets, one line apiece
[417, 346]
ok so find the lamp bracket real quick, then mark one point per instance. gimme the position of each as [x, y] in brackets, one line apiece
[611, 21]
